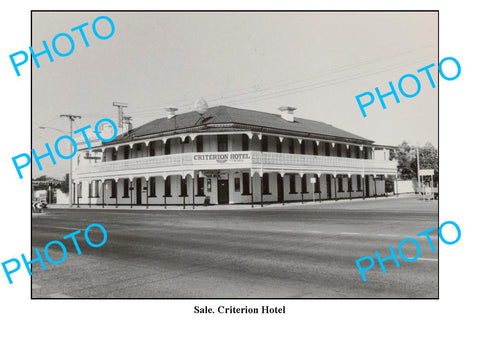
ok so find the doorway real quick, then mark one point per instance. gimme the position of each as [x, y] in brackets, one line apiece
[367, 186]
[139, 190]
[329, 186]
[223, 195]
[280, 187]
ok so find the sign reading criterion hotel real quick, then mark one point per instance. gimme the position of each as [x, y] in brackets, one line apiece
[222, 157]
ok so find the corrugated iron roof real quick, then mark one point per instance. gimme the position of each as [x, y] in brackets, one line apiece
[231, 118]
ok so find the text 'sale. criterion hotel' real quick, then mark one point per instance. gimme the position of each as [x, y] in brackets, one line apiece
[226, 155]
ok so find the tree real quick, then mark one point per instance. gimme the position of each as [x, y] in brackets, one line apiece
[64, 184]
[429, 160]
[406, 156]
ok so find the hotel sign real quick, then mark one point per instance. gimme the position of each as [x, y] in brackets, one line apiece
[222, 158]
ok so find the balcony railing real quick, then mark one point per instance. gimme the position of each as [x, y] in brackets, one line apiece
[324, 163]
[266, 161]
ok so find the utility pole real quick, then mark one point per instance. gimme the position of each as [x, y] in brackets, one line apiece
[418, 171]
[71, 118]
[120, 107]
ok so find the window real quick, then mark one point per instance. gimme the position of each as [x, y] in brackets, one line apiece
[327, 149]
[359, 183]
[126, 184]
[114, 189]
[340, 183]
[151, 149]
[126, 152]
[152, 183]
[237, 184]
[93, 189]
[349, 151]
[167, 147]
[199, 141]
[265, 184]
[339, 150]
[317, 184]
[79, 190]
[200, 186]
[350, 184]
[114, 154]
[183, 187]
[315, 148]
[246, 183]
[304, 184]
[365, 152]
[168, 192]
[358, 152]
[222, 143]
[293, 190]
[279, 145]
[291, 148]
[302, 147]
[138, 147]
[265, 144]
[245, 143]
[96, 191]
[209, 185]
[104, 156]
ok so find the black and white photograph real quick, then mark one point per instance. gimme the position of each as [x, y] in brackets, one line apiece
[234, 155]
[238, 170]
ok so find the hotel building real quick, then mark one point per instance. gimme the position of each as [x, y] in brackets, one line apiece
[226, 155]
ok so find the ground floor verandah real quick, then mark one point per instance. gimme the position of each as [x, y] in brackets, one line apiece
[206, 187]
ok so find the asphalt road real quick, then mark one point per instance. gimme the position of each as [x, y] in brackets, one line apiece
[301, 251]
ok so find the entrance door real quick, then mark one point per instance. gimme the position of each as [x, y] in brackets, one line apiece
[223, 197]
[367, 186]
[280, 187]
[139, 191]
[329, 186]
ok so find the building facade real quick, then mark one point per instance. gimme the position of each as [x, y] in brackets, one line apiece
[225, 155]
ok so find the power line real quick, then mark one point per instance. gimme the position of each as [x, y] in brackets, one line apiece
[319, 85]
[221, 96]
[237, 98]
[257, 88]
[312, 86]
[283, 87]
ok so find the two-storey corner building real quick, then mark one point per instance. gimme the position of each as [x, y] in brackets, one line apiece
[227, 155]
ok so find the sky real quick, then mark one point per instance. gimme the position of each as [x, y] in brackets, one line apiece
[314, 61]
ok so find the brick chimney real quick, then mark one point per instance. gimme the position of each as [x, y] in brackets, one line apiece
[171, 112]
[127, 123]
[287, 113]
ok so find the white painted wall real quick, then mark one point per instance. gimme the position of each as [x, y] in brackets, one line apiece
[62, 198]
[406, 186]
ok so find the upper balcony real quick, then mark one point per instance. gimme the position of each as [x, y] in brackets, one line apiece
[256, 161]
